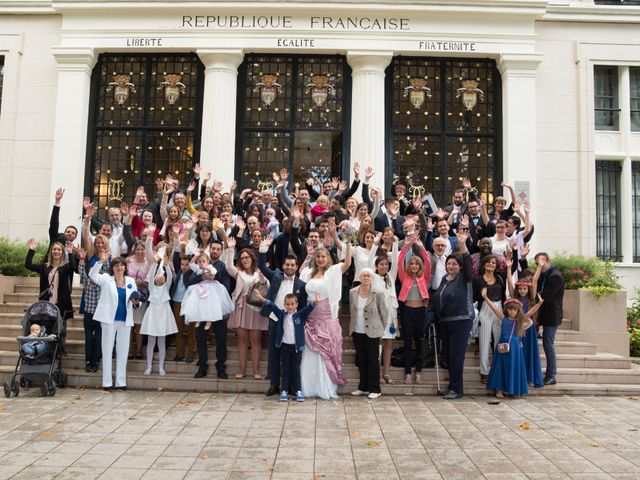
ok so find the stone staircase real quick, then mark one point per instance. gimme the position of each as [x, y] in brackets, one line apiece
[582, 370]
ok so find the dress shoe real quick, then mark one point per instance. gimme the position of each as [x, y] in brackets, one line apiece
[189, 359]
[442, 393]
[484, 378]
[121, 388]
[202, 372]
[273, 390]
[452, 395]
[178, 358]
[550, 381]
[222, 374]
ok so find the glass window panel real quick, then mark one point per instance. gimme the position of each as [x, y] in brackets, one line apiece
[469, 96]
[139, 133]
[319, 92]
[607, 209]
[264, 153]
[268, 92]
[314, 153]
[445, 133]
[634, 80]
[606, 98]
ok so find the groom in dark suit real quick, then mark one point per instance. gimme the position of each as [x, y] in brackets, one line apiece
[282, 282]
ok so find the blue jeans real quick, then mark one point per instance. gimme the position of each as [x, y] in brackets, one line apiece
[548, 343]
[34, 348]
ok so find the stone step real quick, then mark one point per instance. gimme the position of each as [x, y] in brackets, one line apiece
[171, 382]
[29, 298]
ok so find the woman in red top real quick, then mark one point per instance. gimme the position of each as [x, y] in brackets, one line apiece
[415, 295]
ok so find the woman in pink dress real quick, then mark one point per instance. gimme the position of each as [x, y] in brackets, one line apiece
[321, 367]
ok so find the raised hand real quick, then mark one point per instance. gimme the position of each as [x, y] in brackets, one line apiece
[188, 224]
[334, 183]
[368, 173]
[124, 209]
[233, 186]
[343, 185]
[311, 182]
[32, 243]
[466, 183]
[176, 230]
[81, 253]
[464, 221]
[284, 174]
[268, 240]
[86, 201]
[295, 213]
[377, 239]
[417, 203]
[59, 194]
[508, 261]
[462, 235]
[440, 213]
[159, 184]
[217, 186]
[240, 223]
[524, 251]
[191, 187]
[151, 228]
[196, 170]
[133, 210]
[104, 257]
[231, 242]
[276, 177]
[356, 169]
[430, 224]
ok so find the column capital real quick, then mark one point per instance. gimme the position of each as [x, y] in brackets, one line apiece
[369, 61]
[74, 59]
[220, 59]
[519, 64]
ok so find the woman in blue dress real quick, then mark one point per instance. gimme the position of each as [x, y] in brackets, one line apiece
[525, 292]
[508, 373]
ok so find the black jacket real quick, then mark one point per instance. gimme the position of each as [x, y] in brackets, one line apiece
[452, 300]
[64, 281]
[551, 288]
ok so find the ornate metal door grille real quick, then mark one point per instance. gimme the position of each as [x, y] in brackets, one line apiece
[138, 129]
[608, 238]
[275, 100]
[443, 123]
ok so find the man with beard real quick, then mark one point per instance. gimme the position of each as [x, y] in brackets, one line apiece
[281, 283]
[219, 327]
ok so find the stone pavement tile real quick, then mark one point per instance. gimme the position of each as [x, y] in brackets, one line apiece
[173, 463]
[505, 476]
[328, 467]
[146, 450]
[334, 454]
[155, 439]
[18, 457]
[72, 447]
[6, 471]
[212, 464]
[111, 448]
[164, 474]
[40, 447]
[41, 473]
[496, 466]
[287, 442]
[244, 475]
[121, 474]
[252, 464]
[268, 454]
[57, 459]
[592, 476]
[104, 460]
[207, 475]
[293, 466]
[117, 437]
[547, 476]
[223, 441]
[80, 473]
[135, 461]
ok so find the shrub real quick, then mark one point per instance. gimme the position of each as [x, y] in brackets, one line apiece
[587, 273]
[12, 255]
[633, 325]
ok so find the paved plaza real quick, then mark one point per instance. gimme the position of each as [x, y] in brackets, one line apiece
[85, 434]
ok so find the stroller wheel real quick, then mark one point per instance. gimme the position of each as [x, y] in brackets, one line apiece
[7, 390]
[44, 391]
[51, 386]
[15, 388]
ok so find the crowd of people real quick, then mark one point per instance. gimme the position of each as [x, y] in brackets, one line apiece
[193, 261]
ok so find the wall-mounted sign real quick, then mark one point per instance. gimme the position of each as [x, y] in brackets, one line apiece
[296, 42]
[447, 46]
[144, 42]
[286, 22]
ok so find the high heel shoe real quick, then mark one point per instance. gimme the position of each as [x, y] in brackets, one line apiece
[387, 378]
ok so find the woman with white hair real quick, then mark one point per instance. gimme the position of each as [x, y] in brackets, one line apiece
[368, 319]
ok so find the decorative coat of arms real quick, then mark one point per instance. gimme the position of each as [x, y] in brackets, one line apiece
[469, 93]
[121, 87]
[268, 87]
[417, 91]
[320, 89]
[172, 87]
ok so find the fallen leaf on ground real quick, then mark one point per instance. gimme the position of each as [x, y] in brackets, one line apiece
[373, 443]
[356, 434]
[46, 434]
[269, 469]
[204, 456]
[1, 407]
[632, 398]
[593, 444]
[524, 426]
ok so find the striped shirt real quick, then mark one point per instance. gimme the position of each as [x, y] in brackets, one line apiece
[91, 292]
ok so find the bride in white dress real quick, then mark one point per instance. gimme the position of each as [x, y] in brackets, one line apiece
[321, 367]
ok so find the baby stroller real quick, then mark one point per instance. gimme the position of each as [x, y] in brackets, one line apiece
[44, 368]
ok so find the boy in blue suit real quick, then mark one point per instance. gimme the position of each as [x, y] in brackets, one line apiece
[290, 341]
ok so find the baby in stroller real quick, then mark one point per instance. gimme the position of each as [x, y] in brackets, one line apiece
[36, 347]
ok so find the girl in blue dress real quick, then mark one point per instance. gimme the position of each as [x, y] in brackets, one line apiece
[525, 292]
[508, 373]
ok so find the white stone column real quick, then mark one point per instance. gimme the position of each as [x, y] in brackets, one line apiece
[519, 119]
[367, 112]
[70, 132]
[218, 143]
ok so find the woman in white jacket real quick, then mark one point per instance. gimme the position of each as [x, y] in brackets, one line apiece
[118, 297]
